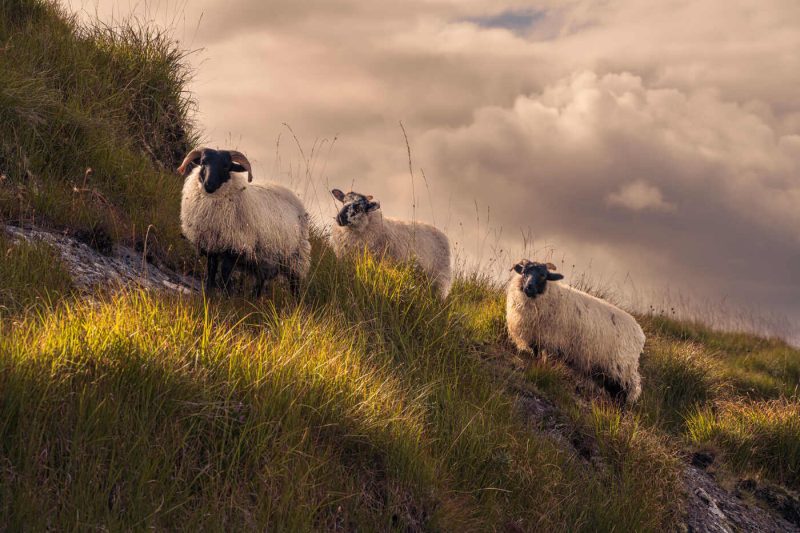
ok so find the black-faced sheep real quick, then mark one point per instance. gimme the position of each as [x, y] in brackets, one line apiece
[260, 227]
[588, 332]
[360, 224]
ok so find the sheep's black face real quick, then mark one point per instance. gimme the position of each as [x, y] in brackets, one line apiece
[356, 206]
[215, 169]
[535, 277]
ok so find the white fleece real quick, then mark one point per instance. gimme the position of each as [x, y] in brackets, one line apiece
[264, 222]
[589, 332]
[400, 240]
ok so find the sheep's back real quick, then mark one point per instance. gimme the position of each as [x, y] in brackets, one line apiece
[259, 221]
[586, 329]
[424, 243]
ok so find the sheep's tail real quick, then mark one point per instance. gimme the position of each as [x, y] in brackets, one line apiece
[635, 389]
[444, 283]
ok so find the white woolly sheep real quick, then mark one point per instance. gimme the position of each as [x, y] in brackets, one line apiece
[590, 333]
[360, 224]
[261, 227]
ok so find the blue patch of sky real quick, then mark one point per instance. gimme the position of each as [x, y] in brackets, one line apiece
[517, 21]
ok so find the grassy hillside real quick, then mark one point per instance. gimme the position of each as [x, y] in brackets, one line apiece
[368, 403]
[365, 404]
[110, 99]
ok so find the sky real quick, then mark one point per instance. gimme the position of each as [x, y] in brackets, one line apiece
[653, 146]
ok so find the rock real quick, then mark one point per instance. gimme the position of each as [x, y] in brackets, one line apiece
[780, 499]
[90, 269]
[711, 508]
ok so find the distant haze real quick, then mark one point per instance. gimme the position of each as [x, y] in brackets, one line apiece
[655, 145]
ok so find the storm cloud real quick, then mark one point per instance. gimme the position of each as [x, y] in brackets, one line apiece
[657, 142]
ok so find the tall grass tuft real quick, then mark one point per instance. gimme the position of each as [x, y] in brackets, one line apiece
[755, 437]
[107, 98]
[363, 405]
[639, 465]
[753, 366]
[679, 377]
[31, 274]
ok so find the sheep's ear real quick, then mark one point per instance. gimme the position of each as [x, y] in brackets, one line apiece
[339, 195]
[369, 197]
[236, 167]
[551, 266]
[518, 268]
[372, 206]
[551, 276]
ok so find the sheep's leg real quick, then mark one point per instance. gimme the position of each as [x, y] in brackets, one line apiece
[263, 276]
[612, 387]
[211, 274]
[294, 284]
[259, 285]
[522, 345]
[228, 262]
[292, 278]
[538, 353]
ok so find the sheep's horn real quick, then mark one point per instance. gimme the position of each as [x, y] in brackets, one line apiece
[191, 156]
[239, 157]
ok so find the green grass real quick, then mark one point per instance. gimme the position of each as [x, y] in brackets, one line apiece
[731, 392]
[363, 405]
[640, 462]
[679, 377]
[483, 301]
[753, 366]
[31, 275]
[107, 98]
[756, 438]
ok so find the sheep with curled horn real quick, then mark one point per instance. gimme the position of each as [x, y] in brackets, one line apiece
[260, 227]
[360, 223]
[595, 336]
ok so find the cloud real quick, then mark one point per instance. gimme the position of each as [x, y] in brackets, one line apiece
[586, 138]
[564, 160]
[659, 140]
[640, 196]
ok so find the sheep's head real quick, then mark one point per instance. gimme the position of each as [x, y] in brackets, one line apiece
[534, 277]
[216, 166]
[355, 209]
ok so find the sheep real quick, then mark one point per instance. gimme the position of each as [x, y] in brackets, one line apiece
[262, 227]
[588, 332]
[360, 224]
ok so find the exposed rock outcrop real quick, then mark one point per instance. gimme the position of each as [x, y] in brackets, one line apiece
[90, 269]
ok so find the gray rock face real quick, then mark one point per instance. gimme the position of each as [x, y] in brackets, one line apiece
[713, 509]
[90, 269]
